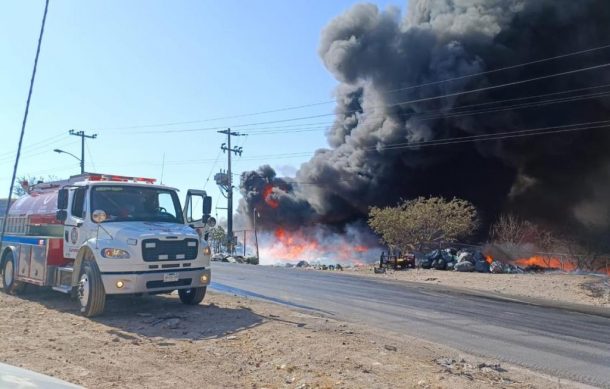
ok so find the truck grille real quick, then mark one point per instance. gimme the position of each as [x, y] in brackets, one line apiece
[169, 250]
[161, 284]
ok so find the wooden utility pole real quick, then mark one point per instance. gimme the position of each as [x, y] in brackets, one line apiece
[82, 146]
[225, 181]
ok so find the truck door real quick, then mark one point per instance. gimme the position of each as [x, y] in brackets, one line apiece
[197, 208]
[73, 236]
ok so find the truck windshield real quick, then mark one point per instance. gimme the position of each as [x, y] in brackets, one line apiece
[135, 203]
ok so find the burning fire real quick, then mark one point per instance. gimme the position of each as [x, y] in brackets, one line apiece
[268, 196]
[546, 262]
[313, 246]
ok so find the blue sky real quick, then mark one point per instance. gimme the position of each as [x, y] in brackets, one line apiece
[116, 67]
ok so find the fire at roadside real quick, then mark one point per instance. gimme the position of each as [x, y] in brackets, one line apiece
[477, 260]
[474, 261]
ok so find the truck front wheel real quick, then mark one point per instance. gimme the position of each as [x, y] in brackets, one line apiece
[192, 296]
[91, 294]
[10, 285]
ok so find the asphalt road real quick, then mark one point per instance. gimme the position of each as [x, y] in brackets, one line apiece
[558, 342]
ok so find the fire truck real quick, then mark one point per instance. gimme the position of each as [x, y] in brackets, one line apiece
[94, 235]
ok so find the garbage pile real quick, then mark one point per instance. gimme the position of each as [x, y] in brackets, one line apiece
[465, 261]
[223, 257]
[316, 266]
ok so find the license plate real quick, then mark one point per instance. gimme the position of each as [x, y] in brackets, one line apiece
[170, 277]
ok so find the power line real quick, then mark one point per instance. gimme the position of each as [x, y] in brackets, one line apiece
[212, 169]
[514, 107]
[412, 101]
[449, 140]
[36, 145]
[441, 113]
[550, 130]
[93, 163]
[38, 151]
[438, 114]
[565, 55]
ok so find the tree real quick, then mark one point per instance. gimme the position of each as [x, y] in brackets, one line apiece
[424, 222]
[520, 238]
[218, 238]
[27, 181]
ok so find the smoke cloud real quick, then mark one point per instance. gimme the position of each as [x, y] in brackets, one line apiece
[377, 56]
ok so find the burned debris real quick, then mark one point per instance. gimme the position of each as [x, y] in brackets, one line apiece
[467, 260]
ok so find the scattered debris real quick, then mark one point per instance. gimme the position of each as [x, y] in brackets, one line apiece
[390, 347]
[489, 370]
[122, 335]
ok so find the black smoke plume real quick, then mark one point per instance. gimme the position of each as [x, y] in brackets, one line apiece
[377, 56]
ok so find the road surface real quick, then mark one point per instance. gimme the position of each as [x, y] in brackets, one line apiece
[561, 343]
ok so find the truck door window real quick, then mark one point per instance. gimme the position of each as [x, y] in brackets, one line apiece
[78, 202]
[166, 204]
[195, 209]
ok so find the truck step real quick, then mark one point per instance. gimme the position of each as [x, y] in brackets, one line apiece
[63, 288]
[63, 279]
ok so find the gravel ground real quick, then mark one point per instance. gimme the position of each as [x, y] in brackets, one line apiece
[229, 341]
[556, 286]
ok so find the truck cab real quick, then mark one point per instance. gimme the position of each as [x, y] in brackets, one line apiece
[120, 235]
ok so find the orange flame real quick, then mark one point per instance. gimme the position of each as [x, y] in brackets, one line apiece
[293, 246]
[268, 196]
[361, 249]
[546, 262]
[489, 259]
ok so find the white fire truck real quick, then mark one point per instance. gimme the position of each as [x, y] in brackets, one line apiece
[94, 235]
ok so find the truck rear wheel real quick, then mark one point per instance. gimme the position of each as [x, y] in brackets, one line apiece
[192, 296]
[9, 284]
[90, 290]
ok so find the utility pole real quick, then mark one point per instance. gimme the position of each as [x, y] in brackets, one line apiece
[255, 214]
[225, 181]
[82, 146]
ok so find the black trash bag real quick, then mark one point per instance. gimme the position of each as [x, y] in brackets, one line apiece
[440, 264]
[436, 254]
[478, 256]
[451, 265]
[465, 266]
[447, 256]
[481, 267]
[452, 251]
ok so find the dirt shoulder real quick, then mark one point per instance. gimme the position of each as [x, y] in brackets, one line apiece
[229, 341]
[592, 290]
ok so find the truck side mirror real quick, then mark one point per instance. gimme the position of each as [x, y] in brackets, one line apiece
[207, 205]
[61, 215]
[62, 199]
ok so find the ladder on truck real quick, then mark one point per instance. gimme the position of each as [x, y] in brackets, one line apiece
[15, 225]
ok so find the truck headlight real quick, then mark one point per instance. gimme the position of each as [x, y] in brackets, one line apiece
[115, 253]
[207, 250]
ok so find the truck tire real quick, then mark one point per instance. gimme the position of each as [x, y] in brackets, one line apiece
[9, 284]
[90, 290]
[192, 296]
